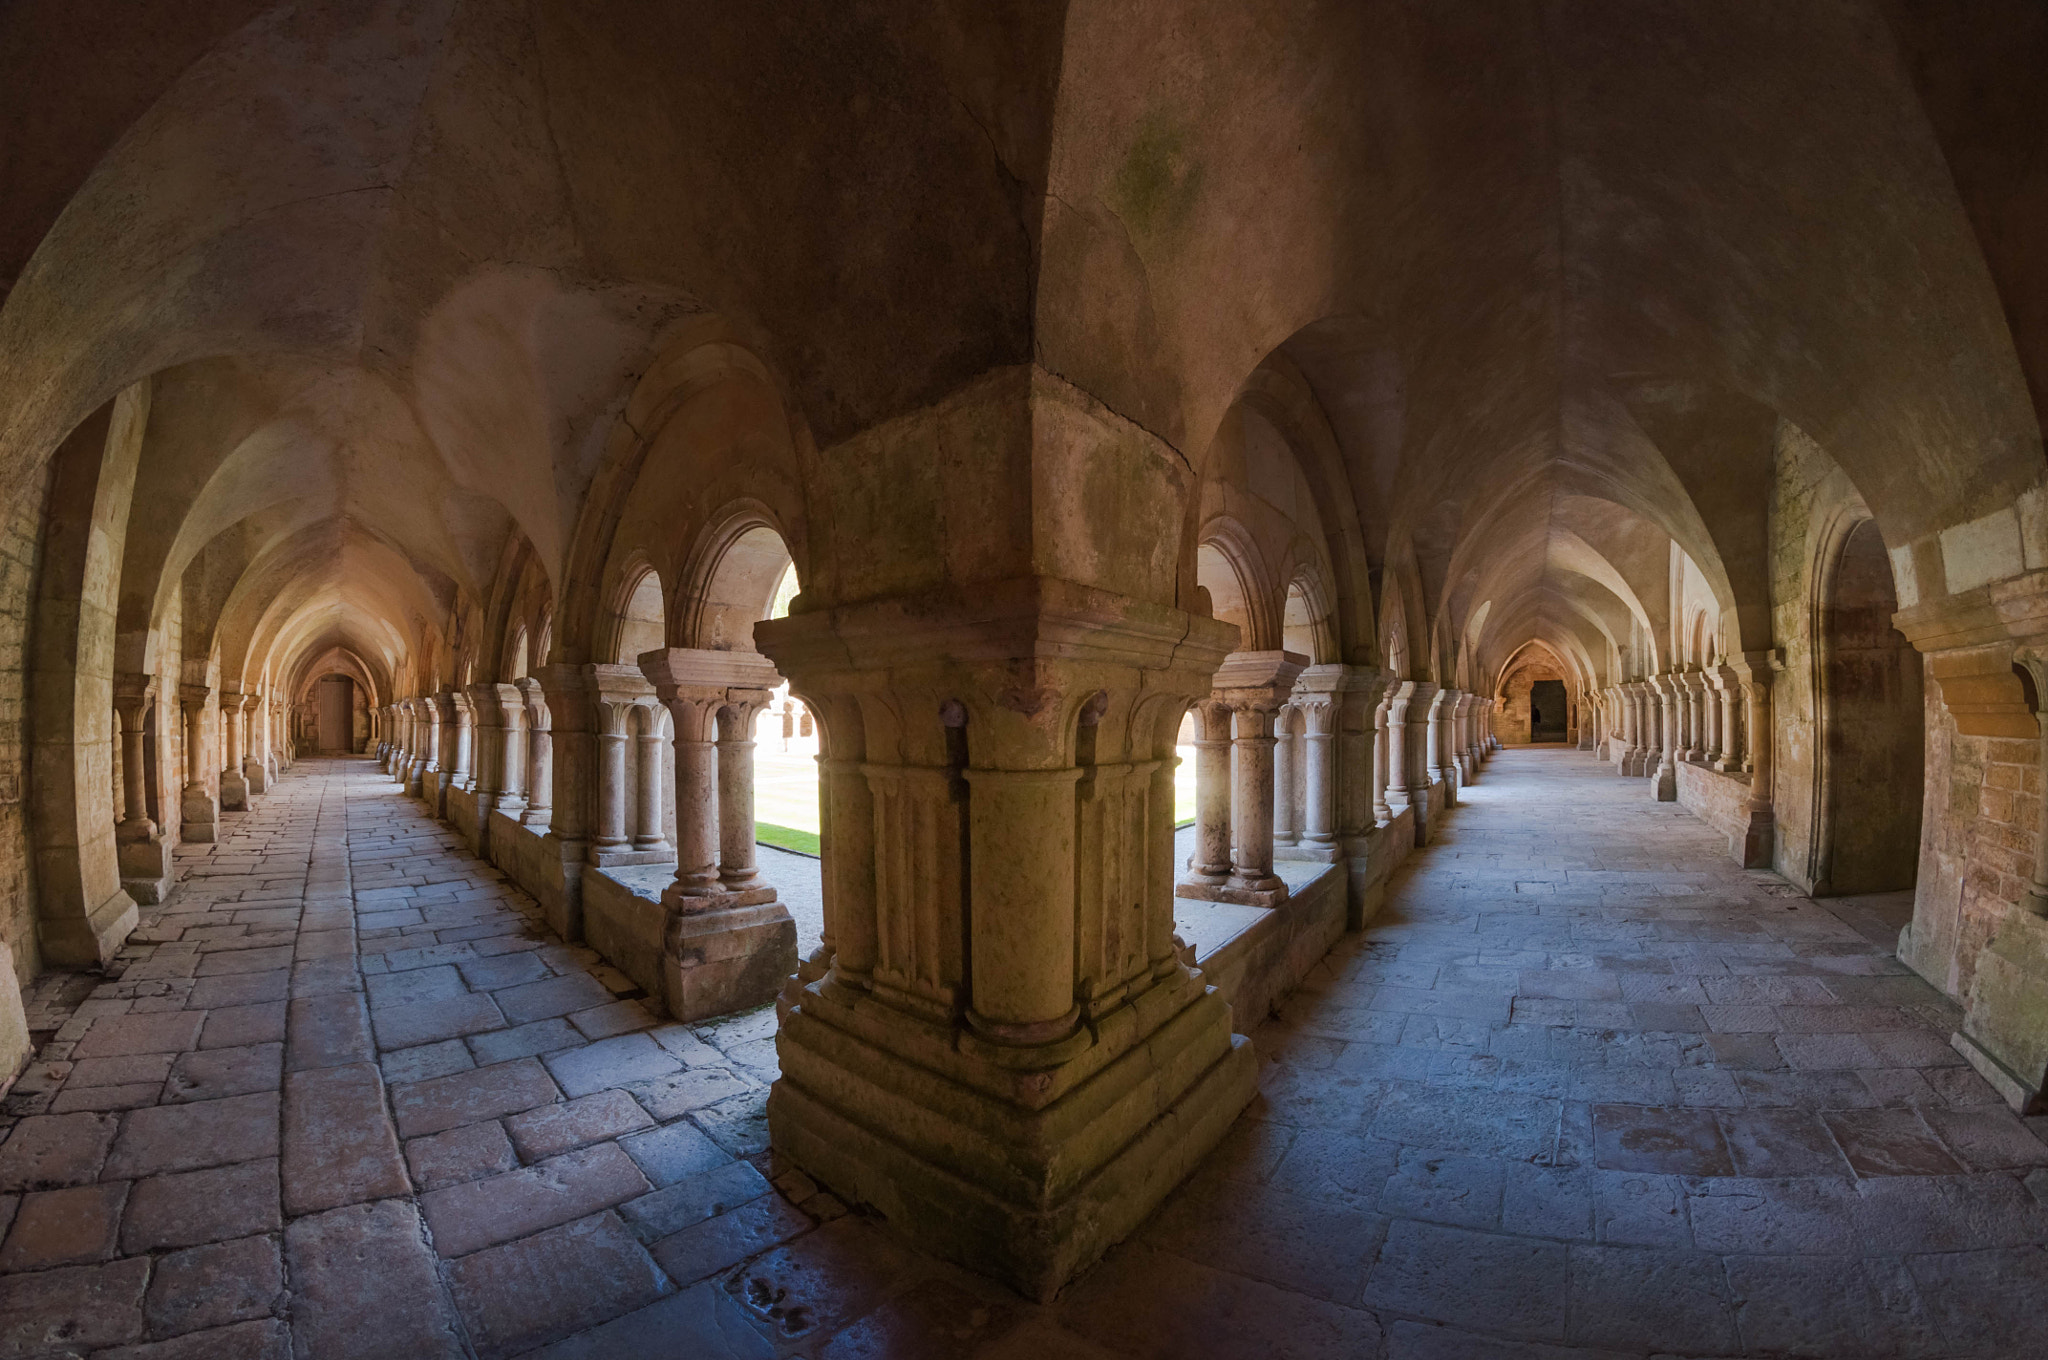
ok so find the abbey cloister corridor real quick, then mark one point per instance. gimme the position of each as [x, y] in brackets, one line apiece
[1022, 679]
[1580, 1089]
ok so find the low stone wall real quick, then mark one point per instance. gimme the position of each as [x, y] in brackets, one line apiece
[462, 815]
[1255, 968]
[516, 850]
[623, 919]
[1720, 800]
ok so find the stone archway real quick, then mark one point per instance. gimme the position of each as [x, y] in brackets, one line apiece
[1870, 738]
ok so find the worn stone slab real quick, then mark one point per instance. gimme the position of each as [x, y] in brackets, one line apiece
[214, 1073]
[328, 1031]
[553, 1284]
[185, 1137]
[610, 1062]
[466, 1218]
[71, 1309]
[424, 1022]
[117, 1035]
[364, 1287]
[525, 1041]
[259, 1340]
[692, 1200]
[554, 1129]
[674, 1152]
[215, 1286]
[244, 989]
[551, 997]
[713, 1244]
[440, 983]
[702, 1322]
[233, 1026]
[71, 1227]
[339, 1145]
[466, 1097]
[465, 1154]
[138, 1068]
[49, 1151]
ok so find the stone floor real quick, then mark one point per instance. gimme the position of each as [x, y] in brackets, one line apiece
[1583, 1089]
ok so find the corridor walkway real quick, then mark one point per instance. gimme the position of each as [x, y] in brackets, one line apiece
[1583, 1089]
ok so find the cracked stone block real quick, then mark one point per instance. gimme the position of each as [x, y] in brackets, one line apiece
[53, 1150]
[196, 1207]
[465, 1097]
[214, 1286]
[364, 1286]
[184, 1137]
[553, 1284]
[64, 1227]
[466, 1218]
[554, 1129]
[339, 1145]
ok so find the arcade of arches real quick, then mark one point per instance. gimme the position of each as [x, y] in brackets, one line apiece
[1424, 623]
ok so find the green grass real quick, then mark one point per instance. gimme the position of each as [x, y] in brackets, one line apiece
[787, 838]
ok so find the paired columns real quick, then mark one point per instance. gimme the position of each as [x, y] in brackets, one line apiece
[1237, 813]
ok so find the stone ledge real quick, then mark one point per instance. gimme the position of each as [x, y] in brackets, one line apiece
[696, 964]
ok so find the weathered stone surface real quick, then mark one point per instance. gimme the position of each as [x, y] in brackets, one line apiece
[262, 1340]
[49, 1151]
[482, 1213]
[215, 1286]
[212, 1073]
[47, 1311]
[553, 1129]
[182, 1137]
[364, 1286]
[465, 1154]
[424, 1022]
[700, 1321]
[64, 1227]
[195, 1207]
[328, 1031]
[339, 1145]
[465, 1097]
[547, 1286]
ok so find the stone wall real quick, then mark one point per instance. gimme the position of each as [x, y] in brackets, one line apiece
[1716, 799]
[20, 547]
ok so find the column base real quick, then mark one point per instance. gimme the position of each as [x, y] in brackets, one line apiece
[196, 817]
[1759, 839]
[560, 886]
[1232, 891]
[613, 857]
[2005, 1028]
[730, 955]
[1664, 784]
[146, 871]
[90, 941]
[1031, 1185]
[255, 776]
[234, 792]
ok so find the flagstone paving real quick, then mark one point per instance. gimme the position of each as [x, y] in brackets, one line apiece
[1583, 1089]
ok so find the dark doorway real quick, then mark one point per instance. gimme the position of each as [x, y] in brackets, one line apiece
[1872, 745]
[1546, 711]
[337, 712]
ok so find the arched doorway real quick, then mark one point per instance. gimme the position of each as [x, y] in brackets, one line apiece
[335, 714]
[1870, 742]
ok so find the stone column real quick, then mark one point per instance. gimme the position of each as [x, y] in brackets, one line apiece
[463, 775]
[1251, 749]
[1407, 734]
[712, 698]
[1025, 949]
[1381, 740]
[498, 762]
[426, 781]
[255, 742]
[609, 832]
[1442, 755]
[234, 785]
[540, 766]
[1760, 837]
[131, 706]
[196, 807]
[142, 848]
[1731, 724]
[649, 803]
[1664, 785]
[1319, 801]
[738, 869]
[729, 943]
[1286, 818]
[1211, 860]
